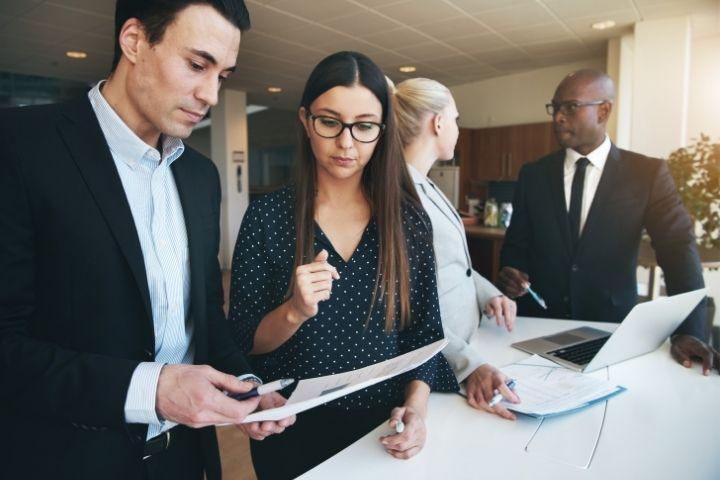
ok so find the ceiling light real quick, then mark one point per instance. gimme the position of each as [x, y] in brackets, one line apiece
[274, 89]
[407, 69]
[603, 25]
[76, 54]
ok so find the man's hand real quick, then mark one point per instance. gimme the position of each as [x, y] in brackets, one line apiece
[194, 395]
[481, 385]
[261, 430]
[513, 282]
[503, 310]
[686, 348]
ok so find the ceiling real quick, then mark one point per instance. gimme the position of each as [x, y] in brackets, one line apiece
[453, 41]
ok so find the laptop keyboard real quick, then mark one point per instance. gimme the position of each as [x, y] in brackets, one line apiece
[581, 353]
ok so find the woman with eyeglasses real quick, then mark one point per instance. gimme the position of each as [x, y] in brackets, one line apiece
[427, 123]
[336, 272]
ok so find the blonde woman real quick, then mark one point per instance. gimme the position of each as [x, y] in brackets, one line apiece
[427, 123]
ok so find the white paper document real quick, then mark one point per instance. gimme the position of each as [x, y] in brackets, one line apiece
[312, 392]
[547, 389]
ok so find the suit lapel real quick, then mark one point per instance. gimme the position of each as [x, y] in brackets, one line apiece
[184, 181]
[555, 173]
[608, 181]
[84, 139]
[453, 219]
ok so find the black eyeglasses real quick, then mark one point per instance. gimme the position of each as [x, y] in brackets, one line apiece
[569, 108]
[329, 127]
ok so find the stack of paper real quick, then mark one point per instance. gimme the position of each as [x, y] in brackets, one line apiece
[547, 389]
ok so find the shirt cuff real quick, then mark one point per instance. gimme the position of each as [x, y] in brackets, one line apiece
[140, 400]
[465, 361]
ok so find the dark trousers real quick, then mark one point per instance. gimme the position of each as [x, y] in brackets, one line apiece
[183, 460]
[317, 435]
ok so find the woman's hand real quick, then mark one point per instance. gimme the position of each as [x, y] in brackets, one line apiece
[313, 284]
[481, 386]
[503, 310]
[412, 438]
[261, 430]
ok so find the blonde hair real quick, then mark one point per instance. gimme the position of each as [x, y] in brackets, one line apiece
[412, 100]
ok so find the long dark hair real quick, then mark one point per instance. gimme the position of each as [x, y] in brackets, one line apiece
[385, 182]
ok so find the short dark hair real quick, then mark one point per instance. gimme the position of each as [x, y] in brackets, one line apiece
[156, 15]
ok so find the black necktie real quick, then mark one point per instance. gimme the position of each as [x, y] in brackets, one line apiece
[576, 195]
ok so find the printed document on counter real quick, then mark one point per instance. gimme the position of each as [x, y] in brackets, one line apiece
[547, 389]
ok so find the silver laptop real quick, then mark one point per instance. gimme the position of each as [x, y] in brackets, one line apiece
[643, 330]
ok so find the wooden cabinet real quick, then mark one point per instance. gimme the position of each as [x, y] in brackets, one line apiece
[528, 143]
[498, 153]
[490, 147]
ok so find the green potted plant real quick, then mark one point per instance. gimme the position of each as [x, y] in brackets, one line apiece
[696, 170]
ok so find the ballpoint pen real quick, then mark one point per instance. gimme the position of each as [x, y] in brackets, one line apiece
[536, 297]
[263, 389]
[498, 396]
[399, 426]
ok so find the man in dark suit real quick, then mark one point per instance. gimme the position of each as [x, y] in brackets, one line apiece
[110, 289]
[578, 218]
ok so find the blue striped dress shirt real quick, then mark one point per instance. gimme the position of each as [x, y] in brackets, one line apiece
[156, 210]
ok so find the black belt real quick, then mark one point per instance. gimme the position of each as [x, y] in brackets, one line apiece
[157, 444]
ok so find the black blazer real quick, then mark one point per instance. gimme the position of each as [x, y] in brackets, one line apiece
[75, 317]
[599, 283]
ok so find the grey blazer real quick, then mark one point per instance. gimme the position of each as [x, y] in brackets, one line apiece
[463, 292]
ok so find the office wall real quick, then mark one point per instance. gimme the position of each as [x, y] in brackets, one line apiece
[704, 94]
[660, 84]
[513, 99]
[229, 152]
[620, 61]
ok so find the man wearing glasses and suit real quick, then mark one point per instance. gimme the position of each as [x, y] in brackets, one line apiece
[578, 218]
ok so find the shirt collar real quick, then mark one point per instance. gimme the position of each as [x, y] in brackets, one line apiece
[597, 157]
[123, 142]
[418, 178]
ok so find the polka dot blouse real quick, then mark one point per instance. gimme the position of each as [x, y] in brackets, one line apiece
[336, 339]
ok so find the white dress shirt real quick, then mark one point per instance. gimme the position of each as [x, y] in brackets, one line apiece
[158, 216]
[463, 292]
[593, 172]
[152, 194]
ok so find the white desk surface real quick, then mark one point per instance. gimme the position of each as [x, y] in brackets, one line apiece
[666, 426]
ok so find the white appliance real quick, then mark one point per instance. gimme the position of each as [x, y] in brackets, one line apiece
[448, 180]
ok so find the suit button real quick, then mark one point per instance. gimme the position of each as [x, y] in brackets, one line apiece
[566, 299]
[567, 315]
[468, 272]
[148, 354]
[575, 268]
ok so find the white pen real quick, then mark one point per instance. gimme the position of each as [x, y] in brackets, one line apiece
[399, 426]
[497, 398]
[263, 389]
